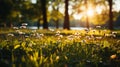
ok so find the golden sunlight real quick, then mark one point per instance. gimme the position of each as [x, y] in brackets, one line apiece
[90, 12]
[77, 16]
[99, 9]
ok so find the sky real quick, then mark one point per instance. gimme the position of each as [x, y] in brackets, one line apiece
[116, 7]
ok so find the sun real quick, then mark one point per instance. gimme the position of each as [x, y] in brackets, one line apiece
[90, 12]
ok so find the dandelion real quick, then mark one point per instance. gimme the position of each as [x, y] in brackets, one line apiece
[113, 56]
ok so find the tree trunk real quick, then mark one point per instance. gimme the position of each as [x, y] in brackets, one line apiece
[87, 19]
[66, 18]
[57, 24]
[44, 12]
[38, 23]
[57, 21]
[110, 15]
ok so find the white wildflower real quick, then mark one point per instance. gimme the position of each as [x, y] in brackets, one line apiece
[70, 37]
[99, 38]
[24, 27]
[60, 36]
[21, 32]
[41, 35]
[77, 34]
[114, 32]
[98, 26]
[58, 32]
[15, 28]
[10, 34]
[33, 31]
[52, 30]
[24, 24]
[26, 36]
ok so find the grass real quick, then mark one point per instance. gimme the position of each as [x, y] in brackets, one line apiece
[61, 48]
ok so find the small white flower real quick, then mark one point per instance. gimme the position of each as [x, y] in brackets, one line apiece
[98, 26]
[99, 38]
[114, 32]
[33, 31]
[42, 35]
[58, 32]
[114, 35]
[70, 37]
[10, 34]
[26, 36]
[24, 27]
[16, 28]
[107, 35]
[21, 32]
[52, 30]
[61, 36]
[24, 24]
[77, 34]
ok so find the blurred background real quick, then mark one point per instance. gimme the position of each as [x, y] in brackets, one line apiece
[60, 14]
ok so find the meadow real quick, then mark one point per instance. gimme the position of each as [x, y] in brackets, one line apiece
[59, 48]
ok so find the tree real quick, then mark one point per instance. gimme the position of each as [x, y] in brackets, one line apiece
[87, 20]
[66, 24]
[5, 10]
[110, 15]
[44, 12]
[55, 14]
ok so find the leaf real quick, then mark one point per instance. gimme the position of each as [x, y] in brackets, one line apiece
[16, 46]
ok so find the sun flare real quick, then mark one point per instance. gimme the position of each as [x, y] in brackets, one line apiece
[90, 12]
